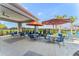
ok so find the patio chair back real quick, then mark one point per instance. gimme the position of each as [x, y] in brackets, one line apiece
[13, 33]
[60, 38]
[21, 33]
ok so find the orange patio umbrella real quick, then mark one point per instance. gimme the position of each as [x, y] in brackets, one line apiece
[34, 23]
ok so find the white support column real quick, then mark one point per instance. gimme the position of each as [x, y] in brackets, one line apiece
[19, 27]
[36, 28]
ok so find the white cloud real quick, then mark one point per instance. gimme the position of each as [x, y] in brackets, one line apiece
[40, 13]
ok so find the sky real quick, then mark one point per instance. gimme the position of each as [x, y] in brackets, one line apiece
[46, 11]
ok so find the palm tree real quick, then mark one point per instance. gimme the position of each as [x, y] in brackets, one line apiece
[72, 19]
[60, 17]
[2, 26]
[64, 16]
[57, 17]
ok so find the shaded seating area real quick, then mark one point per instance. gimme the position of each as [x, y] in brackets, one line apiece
[17, 34]
[34, 35]
[58, 38]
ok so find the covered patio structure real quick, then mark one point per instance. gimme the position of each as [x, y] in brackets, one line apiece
[13, 12]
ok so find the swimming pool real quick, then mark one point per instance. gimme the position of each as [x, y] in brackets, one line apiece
[69, 34]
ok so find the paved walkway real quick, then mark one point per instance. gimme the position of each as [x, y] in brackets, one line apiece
[21, 47]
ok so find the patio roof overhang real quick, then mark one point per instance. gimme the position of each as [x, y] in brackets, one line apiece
[15, 10]
[9, 19]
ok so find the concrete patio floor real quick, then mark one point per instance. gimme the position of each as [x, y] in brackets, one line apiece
[20, 47]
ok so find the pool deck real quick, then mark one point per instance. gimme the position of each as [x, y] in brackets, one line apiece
[21, 47]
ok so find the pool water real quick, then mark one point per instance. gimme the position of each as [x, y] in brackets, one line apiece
[69, 34]
[77, 34]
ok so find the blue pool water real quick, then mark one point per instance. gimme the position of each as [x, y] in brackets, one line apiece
[69, 34]
[77, 34]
